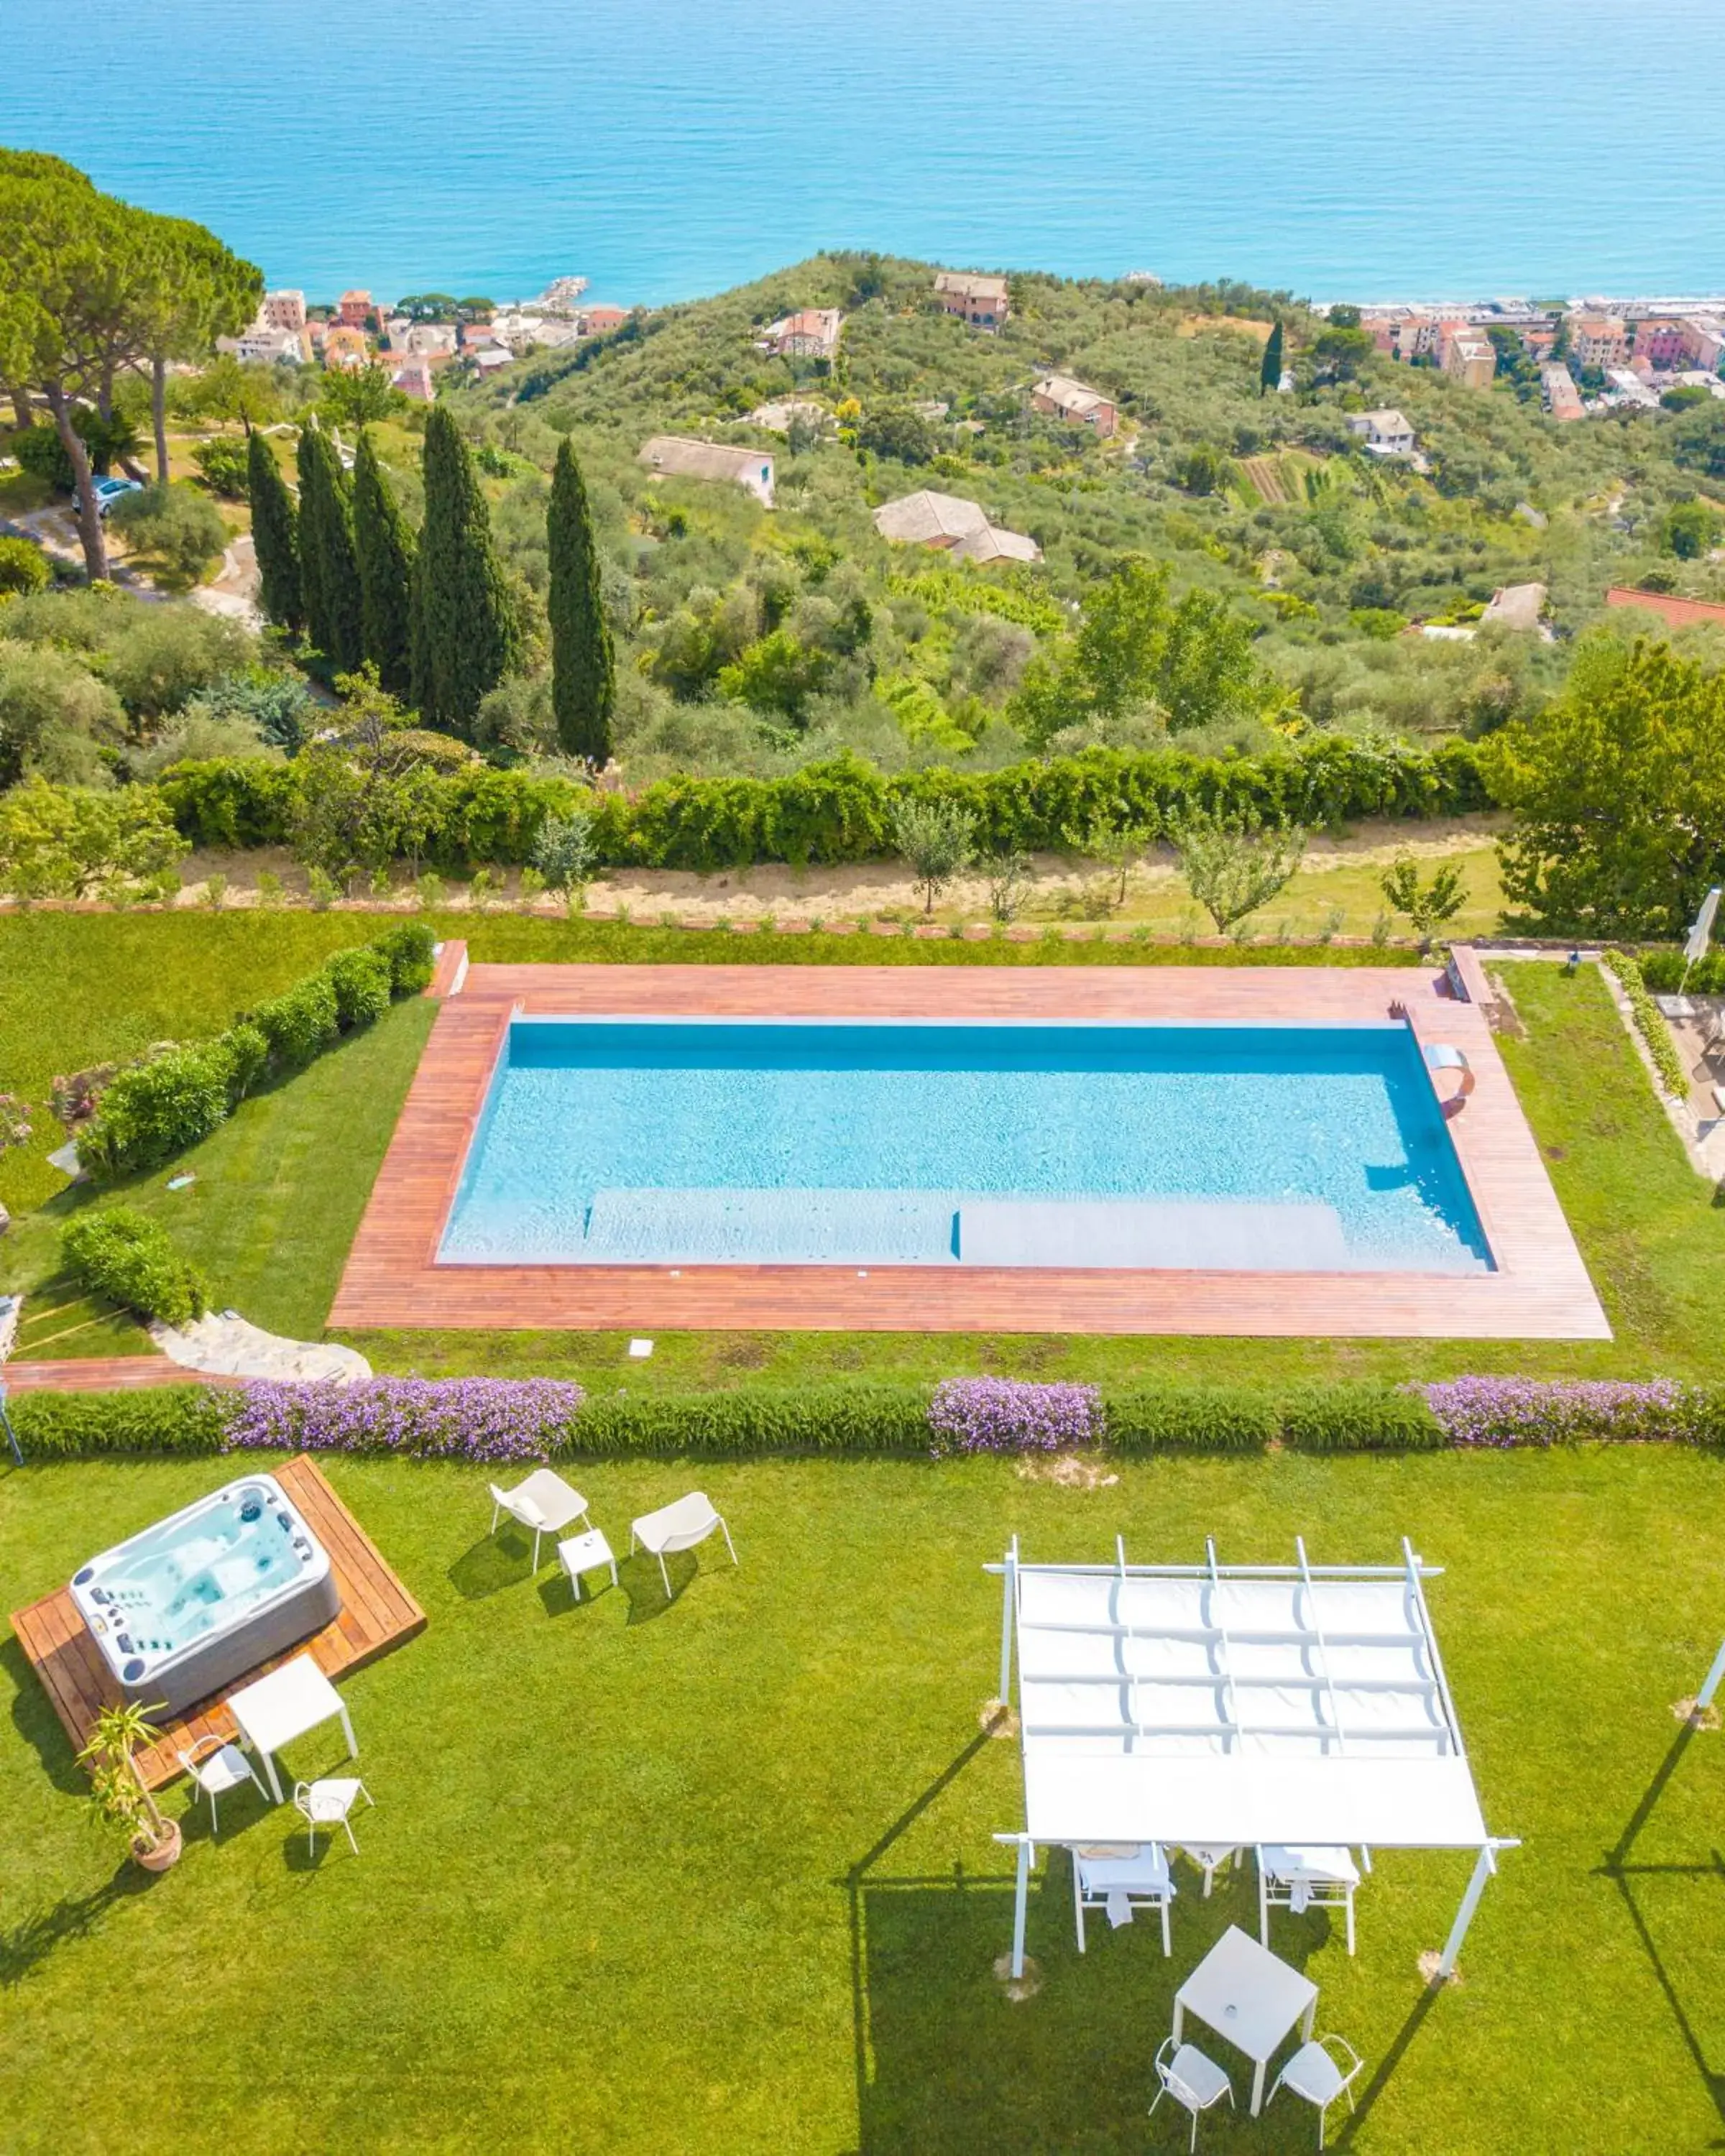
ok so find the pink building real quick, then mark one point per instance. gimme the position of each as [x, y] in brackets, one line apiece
[283, 310]
[1660, 343]
[355, 308]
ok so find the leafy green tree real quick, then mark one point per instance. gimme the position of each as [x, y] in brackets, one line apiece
[24, 567]
[241, 394]
[583, 666]
[1698, 441]
[1270, 369]
[1340, 350]
[1427, 902]
[275, 524]
[194, 291]
[895, 430]
[224, 465]
[1618, 793]
[776, 675]
[367, 797]
[384, 549]
[466, 635]
[936, 839]
[1232, 864]
[359, 396]
[329, 570]
[67, 842]
[1689, 530]
[180, 528]
[428, 307]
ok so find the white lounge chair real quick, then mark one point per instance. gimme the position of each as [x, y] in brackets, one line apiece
[1302, 1879]
[1121, 1879]
[1317, 2073]
[678, 1527]
[544, 1504]
[1193, 2081]
[227, 1768]
[327, 1803]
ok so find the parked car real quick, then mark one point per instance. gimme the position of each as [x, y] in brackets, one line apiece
[108, 491]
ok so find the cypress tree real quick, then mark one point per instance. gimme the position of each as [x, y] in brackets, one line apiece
[384, 548]
[465, 636]
[275, 535]
[329, 573]
[1270, 373]
[583, 679]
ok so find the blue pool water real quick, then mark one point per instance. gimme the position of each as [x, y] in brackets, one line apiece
[1295, 1149]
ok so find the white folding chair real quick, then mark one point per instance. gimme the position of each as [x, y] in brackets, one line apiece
[327, 1803]
[544, 1504]
[1302, 1879]
[1317, 2073]
[1121, 1878]
[227, 1768]
[1210, 1857]
[1195, 2082]
[677, 1527]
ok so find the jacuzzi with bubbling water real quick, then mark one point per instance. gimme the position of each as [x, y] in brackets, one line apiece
[183, 1609]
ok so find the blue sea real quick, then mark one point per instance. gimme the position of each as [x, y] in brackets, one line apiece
[1284, 1148]
[667, 148]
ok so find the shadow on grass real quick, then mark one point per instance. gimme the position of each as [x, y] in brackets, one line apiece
[640, 1579]
[24, 1945]
[945, 2062]
[494, 1562]
[35, 1721]
[1637, 1881]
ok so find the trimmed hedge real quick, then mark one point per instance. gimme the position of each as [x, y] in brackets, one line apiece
[131, 1259]
[840, 811]
[1649, 1024]
[150, 1112]
[480, 1418]
[1664, 971]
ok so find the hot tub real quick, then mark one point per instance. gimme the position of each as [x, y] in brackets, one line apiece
[205, 1595]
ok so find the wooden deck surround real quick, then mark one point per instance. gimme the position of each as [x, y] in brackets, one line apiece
[378, 1613]
[1539, 1291]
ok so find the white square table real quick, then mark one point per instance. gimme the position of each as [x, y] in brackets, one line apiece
[1244, 1994]
[284, 1705]
[586, 1553]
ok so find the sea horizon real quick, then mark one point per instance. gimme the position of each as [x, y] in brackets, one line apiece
[667, 151]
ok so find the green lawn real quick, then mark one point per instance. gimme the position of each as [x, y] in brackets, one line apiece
[718, 1876]
[279, 1190]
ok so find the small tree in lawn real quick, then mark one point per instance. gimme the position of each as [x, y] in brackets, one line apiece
[936, 838]
[563, 852]
[1231, 865]
[1428, 902]
[1120, 845]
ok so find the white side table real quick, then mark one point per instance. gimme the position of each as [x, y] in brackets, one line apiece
[586, 1553]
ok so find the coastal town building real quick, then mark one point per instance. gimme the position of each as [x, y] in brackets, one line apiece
[264, 345]
[1467, 356]
[413, 377]
[1599, 341]
[981, 301]
[1387, 433]
[355, 308]
[1625, 386]
[1704, 342]
[345, 347]
[600, 321]
[285, 310]
[1516, 606]
[1562, 400]
[812, 334]
[953, 525]
[488, 359]
[1679, 613]
[1062, 397]
[1658, 340]
[675, 456]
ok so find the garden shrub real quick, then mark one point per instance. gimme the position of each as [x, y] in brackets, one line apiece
[152, 1419]
[1502, 1412]
[1013, 1414]
[411, 949]
[301, 1021]
[1358, 1418]
[151, 1111]
[131, 1260]
[1649, 1024]
[1153, 1417]
[831, 1417]
[1665, 970]
[362, 977]
[427, 1419]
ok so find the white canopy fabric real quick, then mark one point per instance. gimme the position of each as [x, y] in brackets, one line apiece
[1235, 1704]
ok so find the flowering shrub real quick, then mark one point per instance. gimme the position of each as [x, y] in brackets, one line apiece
[1511, 1411]
[1012, 1414]
[446, 1418]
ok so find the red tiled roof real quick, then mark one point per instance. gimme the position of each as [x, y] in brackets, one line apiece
[1681, 614]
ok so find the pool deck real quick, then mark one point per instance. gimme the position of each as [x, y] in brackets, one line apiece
[378, 1613]
[1540, 1290]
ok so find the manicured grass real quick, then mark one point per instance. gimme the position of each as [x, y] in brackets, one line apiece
[720, 1876]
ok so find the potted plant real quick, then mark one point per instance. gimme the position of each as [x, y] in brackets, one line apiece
[117, 1791]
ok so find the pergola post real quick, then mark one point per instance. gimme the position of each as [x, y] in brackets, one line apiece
[1704, 1698]
[1483, 1869]
[1022, 1907]
[1008, 1606]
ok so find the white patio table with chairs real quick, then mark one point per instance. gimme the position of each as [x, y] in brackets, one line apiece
[273, 1710]
[1250, 1997]
[1298, 1709]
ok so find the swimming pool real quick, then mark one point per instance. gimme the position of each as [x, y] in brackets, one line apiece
[1260, 1148]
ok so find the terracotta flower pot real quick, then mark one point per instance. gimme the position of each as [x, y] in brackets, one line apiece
[160, 1856]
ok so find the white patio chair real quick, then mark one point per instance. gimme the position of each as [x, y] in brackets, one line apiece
[1302, 1879]
[1318, 2074]
[327, 1803]
[677, 1527]
[1195, 2082]
[226, 1767]
[1210, 1857]
[544, 1504]
[1120, 1879]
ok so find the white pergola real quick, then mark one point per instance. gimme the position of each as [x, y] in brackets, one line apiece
[1238, 1705]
